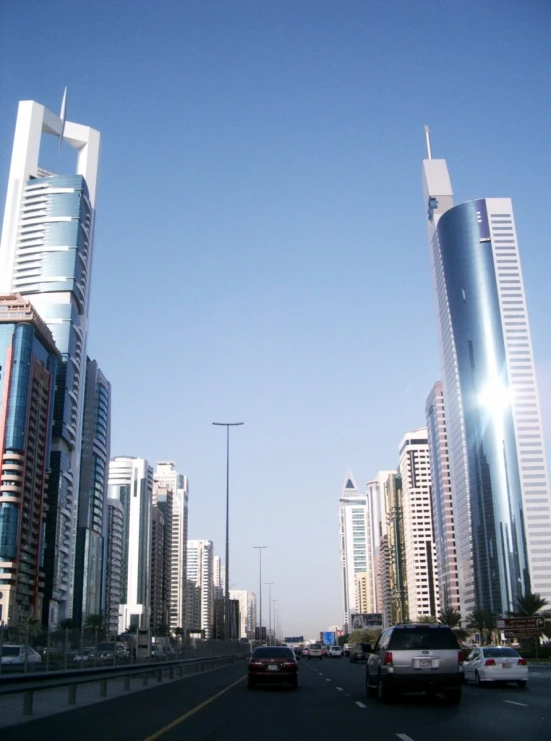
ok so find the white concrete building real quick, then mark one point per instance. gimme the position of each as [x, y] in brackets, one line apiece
[131, 483]
[200, 573]
[420, 553]
[46, 255]
[353, 526]
[376, 518]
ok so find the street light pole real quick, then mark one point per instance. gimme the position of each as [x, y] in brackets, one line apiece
[274, 623]
[227, 425]
[270, 584]
[260, 548]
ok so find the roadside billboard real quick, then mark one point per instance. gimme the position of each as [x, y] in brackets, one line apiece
[366, 621]
[329, 637]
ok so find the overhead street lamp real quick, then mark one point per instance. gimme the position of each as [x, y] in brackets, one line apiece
[260, 548]
[274, 622]
[227, 425]
[270, 585]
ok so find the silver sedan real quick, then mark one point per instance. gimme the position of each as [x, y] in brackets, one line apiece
[495, 664]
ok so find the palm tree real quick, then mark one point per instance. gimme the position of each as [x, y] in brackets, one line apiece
[483, 621]
[450, 616]
[67, 624]
[529, 604]
[426, 619]
[30, 627]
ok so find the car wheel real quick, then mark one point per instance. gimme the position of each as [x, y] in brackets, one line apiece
[477, 679]
[251, 684]
[369, 690]
[383, 693]
[454, 695]
[521, 683]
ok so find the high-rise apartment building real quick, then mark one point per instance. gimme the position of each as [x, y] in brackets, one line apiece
[46, 255]
[199, 574]
[499, 482]
[158, 600]
[218, 577]
[353, 526]
[94, 467]
[242, 597]
[28, 362]
[376, 517]
[420, 558]
[441, 500]
[363, 593]
[131, 483]
[171, 496]
[393, 556]
[113, 559]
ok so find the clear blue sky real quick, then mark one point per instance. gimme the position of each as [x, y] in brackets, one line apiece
[260, 248]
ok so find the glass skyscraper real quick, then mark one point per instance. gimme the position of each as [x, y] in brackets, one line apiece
[499, 482]
[46, 255]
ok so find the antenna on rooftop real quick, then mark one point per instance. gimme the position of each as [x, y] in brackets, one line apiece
[427, 137]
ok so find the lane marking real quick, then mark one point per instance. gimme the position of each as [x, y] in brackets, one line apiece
[512, 702]
[194, 710]
[339, 689]
[327, 680]
[358, 703]
[404, 737]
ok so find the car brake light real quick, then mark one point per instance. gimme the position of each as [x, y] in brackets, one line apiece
[460, 657]
[288, 663]
[388, 658]
[522, 662]
[256, 663]
[489, 662]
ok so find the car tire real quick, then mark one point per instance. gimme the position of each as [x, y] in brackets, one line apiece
[383, 692]
[454, 695]
[369, 690]
[251, 684]
[477, 679]
[521, 683]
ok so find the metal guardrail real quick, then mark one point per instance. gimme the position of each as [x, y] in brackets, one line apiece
[28, 684]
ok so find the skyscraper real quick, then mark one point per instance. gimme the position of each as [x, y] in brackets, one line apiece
[131, 483]
[46, 255]
[28, 361]
[113, 559]
[376, 517]
[94, 467]
[353, 527]
[420, 559]
[499, 482]
[393, 556]
[441, 500]
[199, 573]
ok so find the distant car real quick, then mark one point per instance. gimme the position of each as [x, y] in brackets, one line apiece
[315, 651]
[87, 654]
[298, 652]
[273, 665]
[495, 664]
[306, 651]
[335, 652]
[415, 657]
[359, 652]
[19, 654]
[116, 647]
[346, 649]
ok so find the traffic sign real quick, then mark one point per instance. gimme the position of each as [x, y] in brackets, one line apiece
[518, 624]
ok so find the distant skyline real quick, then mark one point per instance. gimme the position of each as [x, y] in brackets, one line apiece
[260, 248]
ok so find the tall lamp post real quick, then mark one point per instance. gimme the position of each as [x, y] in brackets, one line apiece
[227, 425]
[260, 548]
[270, 585]
[274, 622]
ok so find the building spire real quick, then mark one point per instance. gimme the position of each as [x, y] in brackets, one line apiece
[62, 116]
[427, 137]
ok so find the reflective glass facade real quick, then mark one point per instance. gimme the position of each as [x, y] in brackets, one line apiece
[499, 559]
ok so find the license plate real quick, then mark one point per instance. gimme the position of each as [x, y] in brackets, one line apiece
[506, 665]
[425, 662]
[273, 668]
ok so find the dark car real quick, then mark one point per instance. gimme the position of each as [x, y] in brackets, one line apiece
[273, 665]
[359, 652]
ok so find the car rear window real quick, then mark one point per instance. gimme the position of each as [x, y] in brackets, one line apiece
[10, 650]
[273, 652]
[495, 653]
[315, 645]
[422, 637]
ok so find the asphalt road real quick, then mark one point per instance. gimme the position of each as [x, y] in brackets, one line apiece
[329, 704]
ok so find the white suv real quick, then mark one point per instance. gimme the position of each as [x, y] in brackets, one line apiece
[315, 652]
[335, 652]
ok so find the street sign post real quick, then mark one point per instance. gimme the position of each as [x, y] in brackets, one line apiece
[522, 625]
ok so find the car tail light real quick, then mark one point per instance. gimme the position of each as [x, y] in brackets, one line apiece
[489, 662]
[460, 657]
[288, 663]
[256, 663]
[522, 662]
[388, 658]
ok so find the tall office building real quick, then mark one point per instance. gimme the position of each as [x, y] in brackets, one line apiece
[160, 571]
[441, 500]
[199, 573]
[353, 526]
[171, 495]
[46, 255]
[393, 556]
[94, 466]
[131, 483]
[376, 517]
[420, 559]
[499, 481]
[113, 559]
[218, 577]
[364, 595]
[242, 597]
[28, 361]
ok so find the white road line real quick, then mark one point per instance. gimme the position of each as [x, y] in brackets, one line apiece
[360, 704]
[327, 680]
[404, 737]
[339, 689]
[512, 702]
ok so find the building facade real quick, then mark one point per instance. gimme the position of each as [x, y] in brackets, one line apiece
[131, 483]
[199, 574]
[420, 556]
[393, 555]
[46, 255]
[441, 501]
[28, 363]
[353, 527]
[94, 467]
[113, 559]
[376, 517]
[500, 488]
